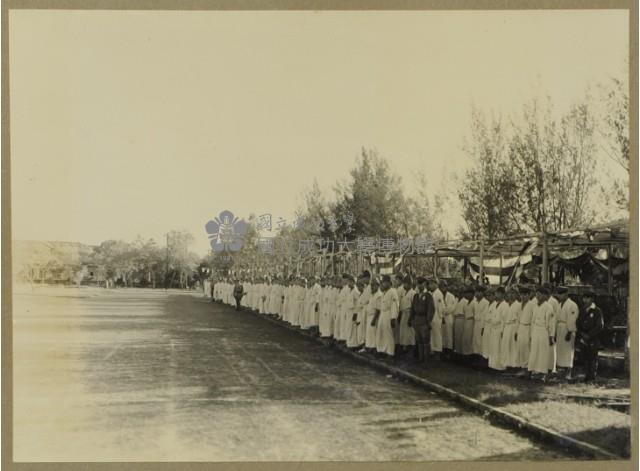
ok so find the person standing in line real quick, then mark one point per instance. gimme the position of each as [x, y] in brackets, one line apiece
[555, 304]
[314, 306]
[238, 293]
[302, 297]
[523, 331]
[469, 324]
[496, 329]
[566, 330]
[396, 283]
[386, 323]
[332, 303]
[323, 327]
[420, 318]
[449, 305]
[350, 309]
[590, 325]
[352, 332]
[406, 333]
[508, 347]
[305, 317]
[482, 306]
[438, 318]
[488, 321]
[286, 299]
[541, 334]
[459, 323]
[363, 303]
[373, 313]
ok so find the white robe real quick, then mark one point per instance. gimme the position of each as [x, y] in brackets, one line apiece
[450, 303]
[508, 345]
[406, 334]
[496, 328]
[458, 325]
[385, 341]
[373, 306]
[469, 327]
[566, 323]
[436, 323]
[541, 329]
[523, 344]
[480, 313]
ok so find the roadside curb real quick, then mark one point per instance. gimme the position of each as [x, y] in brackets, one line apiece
[494, 414]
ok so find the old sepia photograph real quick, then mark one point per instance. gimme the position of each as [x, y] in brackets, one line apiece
[304, 235]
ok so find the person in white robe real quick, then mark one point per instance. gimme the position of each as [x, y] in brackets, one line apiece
[488, 320]
[508, 346]
[438, 318]
[386, 323]
[406, 334]
[459, 321]
[373, 313]
[566, 331]
[480, 312]
[497, 320]
[363, 303]
[542, 333]
[555, 304]
[469, 323]
[523, 332]
[449, 305]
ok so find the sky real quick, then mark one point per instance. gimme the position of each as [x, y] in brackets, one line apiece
[136, 123]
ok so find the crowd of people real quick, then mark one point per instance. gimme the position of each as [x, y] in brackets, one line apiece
[529, 331]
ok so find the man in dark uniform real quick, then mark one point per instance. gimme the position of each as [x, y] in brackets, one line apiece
[422, 310]
[590, 324]
[238, 293]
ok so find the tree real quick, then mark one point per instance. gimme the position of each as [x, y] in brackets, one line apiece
[553, 164]
[536, 175]
[179, 260]
[424, 213]
[489, 188]
[372, 199]
[614, 132]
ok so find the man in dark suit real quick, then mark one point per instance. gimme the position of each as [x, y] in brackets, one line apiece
[590, 324]
[422, 310]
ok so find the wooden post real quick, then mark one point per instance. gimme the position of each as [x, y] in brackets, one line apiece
[610, 269]
[435, 265]
[545, 259]
[481, 265]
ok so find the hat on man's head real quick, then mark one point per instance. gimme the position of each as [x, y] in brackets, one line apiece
[500, 289]
[543, 290]
[589, 293]
[421, 279]
[562, 290]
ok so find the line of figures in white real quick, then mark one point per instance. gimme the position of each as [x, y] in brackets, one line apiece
[526, 330]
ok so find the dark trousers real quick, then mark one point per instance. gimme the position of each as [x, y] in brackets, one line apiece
[423, 338]
[590, 358]
[238, 299]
